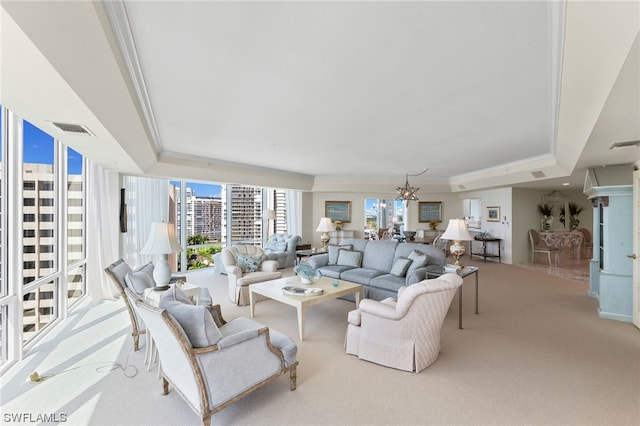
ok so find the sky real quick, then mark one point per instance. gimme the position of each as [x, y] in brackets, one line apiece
[202, 189]
[38, 148]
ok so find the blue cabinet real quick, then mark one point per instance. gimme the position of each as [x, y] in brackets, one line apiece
[611, 269]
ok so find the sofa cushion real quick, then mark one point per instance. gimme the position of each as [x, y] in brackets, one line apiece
[195, 320]
[333, 271]
[349, 258]
[419, 260]
[334, 250]
[387, 282]
[249, 263]
[140, 279]
[360, 275]
[400, 266]
[379, 255]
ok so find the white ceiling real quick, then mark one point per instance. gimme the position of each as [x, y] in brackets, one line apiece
[355, 93]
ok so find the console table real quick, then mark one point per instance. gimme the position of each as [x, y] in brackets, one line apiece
[484, 253]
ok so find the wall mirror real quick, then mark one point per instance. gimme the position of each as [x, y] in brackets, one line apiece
[471, 211]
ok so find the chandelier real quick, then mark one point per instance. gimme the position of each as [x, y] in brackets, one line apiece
[408, 192]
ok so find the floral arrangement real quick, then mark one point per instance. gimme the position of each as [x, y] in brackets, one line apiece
[306, 272]
[547, 216]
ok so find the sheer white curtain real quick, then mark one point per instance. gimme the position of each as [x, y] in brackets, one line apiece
[102, 228]
[147, 202]
[294, 212]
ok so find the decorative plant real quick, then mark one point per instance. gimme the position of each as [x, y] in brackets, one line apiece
[306, 272]
[547, 216]
[574, 211]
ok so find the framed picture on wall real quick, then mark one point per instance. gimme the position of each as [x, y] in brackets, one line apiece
[338, 210]
[493, 214]
[430, 211]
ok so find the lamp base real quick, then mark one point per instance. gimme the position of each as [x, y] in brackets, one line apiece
[161, 288]
[457, 251]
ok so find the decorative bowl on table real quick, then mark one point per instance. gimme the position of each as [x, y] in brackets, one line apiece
[409, 234]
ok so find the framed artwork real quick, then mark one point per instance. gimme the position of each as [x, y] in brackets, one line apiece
[493, 214]
[338, 210]
[430, 211]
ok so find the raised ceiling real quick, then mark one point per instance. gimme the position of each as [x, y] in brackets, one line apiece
[348, 94]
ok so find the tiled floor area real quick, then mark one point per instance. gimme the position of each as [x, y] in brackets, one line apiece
[569, 268]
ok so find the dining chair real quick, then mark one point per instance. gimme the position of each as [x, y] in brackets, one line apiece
[539, 246]
[587, 242]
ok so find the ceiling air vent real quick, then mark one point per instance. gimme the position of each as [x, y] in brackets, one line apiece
[625, 144]
[77, 129]
[462, 187]
[538, 174]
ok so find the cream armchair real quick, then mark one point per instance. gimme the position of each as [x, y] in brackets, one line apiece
[212, 363]
[245, 265]
[402, 333]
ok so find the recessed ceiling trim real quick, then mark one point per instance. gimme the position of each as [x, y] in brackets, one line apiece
[117, 14]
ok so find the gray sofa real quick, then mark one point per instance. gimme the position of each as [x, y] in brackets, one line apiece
[282, 249]
[377, 262]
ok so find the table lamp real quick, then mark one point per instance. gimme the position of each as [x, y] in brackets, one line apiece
[457, 232]
[162, 241]
[325, 227]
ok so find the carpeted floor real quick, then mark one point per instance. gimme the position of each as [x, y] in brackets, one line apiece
[537, 354]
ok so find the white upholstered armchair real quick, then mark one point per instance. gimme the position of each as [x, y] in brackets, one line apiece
[246, 265]
[402, 333]
[212, 363]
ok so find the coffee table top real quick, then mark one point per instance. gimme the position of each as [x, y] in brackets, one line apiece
[439, 270]
[273, 290]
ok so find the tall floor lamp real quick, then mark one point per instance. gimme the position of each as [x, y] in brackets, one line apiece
[162, 241]
[457, 232]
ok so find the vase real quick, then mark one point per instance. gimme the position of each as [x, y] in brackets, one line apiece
[305, 280]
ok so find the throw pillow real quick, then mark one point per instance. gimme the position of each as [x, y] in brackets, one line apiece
[249, 263]
[333, 252]
[400, 266]
[349, 258]
[195, 320]
[419, 260]
[140, 279]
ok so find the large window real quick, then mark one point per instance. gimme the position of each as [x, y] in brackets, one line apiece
[40, 169]
[42, 233]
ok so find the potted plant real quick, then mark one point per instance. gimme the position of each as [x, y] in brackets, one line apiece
[547, 216]
[574, 211]
[306, 272]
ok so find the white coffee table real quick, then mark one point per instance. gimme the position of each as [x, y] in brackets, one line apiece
[273, 290]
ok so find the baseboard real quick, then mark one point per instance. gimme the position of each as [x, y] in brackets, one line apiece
[615, 317]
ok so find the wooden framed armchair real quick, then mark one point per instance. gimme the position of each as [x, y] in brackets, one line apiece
[213, 363]
[402, 333]
[117, 272]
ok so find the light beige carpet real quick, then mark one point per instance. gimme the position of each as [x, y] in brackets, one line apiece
[536, 355]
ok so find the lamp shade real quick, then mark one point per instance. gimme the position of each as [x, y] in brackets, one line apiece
[456, 231]
[325, 225]
[162, 240]
[271, 214]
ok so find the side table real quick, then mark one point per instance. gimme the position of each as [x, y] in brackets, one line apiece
[484, 253]
[307, 253]
[436, 271]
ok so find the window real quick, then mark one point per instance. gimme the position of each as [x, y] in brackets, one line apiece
[28, 202]
[39, 309]
[381, 214]
[28, 233]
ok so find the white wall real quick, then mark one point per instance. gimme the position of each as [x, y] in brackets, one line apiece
[451, 208]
